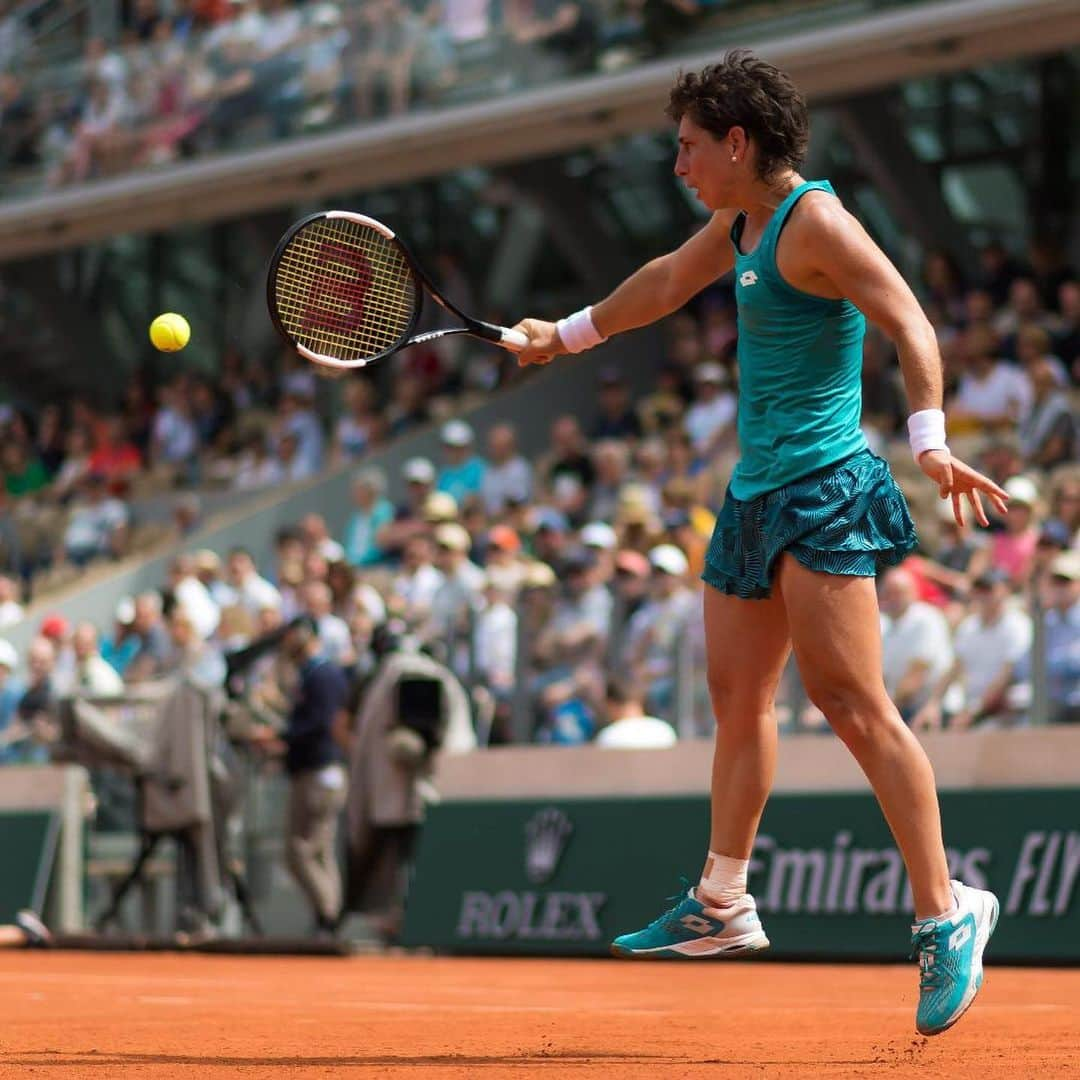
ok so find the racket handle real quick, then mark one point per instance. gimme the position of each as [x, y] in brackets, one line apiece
[514, 340]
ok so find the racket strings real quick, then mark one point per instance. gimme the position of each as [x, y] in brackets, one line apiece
[343, 289]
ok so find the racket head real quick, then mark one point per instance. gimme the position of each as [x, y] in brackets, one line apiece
[342, 289]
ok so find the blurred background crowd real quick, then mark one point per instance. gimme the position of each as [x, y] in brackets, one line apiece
[535, 578]
[183, 77]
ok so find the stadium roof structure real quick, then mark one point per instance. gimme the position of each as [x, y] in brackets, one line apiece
[867, 53]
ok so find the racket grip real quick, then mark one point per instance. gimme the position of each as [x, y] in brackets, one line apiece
[514, 340]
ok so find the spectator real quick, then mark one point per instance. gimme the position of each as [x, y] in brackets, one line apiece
[988, 645]
[56, 629]
[611, 459]
[11, 611]
[1048, 435]
[1025, 306]
[659, 625]
[408, 407]
[11, 692]
[394, 36]
[568, 454]
[625, 723]
[600, 538]
[507, 475]
[187, 514]
[1062, 638]
[316, 537]
[710, 418]
[192, 595]
[617, 419]
[1013, 549]
[916, 645]
[991, 394]
[581, 622]
[495, 641]
[299, 421]
[1068, 342]
[191, 655]
[252, 590]
[149, 631]
[459, 593]
[116, 457]
[94, 676]
[208, 571]
[74, 467]
[23, 472]
[662, 410]
[122, 646]
[504, 568]
[255, 468]
[359, 428]
[97, 527]
[419, 476]
[372, 511]
[417, 582]
[550, 534]
[37, 705]
[463, 473]
[334, 637]
[174, 441]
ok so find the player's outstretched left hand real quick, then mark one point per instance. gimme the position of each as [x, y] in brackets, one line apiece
[544, 342]
[956, 480]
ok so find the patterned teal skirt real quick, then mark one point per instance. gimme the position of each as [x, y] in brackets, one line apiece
[850, 518]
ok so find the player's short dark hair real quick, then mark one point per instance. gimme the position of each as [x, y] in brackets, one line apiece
[620, 691]
[745, 91]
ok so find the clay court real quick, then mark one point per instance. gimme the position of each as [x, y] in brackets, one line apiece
[75, 1015]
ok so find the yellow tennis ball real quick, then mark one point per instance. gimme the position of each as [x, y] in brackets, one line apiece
[170, 332]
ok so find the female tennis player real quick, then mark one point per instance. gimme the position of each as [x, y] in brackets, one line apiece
[810, 514]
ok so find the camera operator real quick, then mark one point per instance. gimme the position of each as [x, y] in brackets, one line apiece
[317, 780]
[413, 708]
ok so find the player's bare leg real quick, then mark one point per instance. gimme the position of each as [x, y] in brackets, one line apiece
[747, 645]
[835, 628]
[835, 631]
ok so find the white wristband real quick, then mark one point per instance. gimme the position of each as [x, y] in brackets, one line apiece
[926, 431]
[577, 332]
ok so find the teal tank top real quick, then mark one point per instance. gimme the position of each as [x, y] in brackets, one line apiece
[800, 366]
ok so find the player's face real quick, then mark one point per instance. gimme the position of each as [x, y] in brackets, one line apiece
[704, 165]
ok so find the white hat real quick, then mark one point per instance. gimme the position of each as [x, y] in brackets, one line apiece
[419, 470]
[1066, 565]
[125, 611]
[1021, 490]
[670, 559]
[599, 534]
[326, 15]
[453, 536]
[457, 433]
[9, 658]
[710, 373]
[440, 506]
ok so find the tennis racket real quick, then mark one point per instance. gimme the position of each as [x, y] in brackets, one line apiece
[343, 290]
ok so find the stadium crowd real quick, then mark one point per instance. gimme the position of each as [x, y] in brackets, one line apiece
[189, 76]
[535, 576]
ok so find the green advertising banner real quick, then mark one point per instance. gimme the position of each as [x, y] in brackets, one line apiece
[563, 877]
[28, 842]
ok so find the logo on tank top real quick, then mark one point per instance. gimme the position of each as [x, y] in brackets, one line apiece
[747, 278]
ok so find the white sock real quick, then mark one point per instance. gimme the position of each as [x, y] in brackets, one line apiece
[945, 914]
[723, 881]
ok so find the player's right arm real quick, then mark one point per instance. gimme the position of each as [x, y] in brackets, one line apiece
[660, 287]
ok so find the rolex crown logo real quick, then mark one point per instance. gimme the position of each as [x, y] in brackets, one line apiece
[547, 833]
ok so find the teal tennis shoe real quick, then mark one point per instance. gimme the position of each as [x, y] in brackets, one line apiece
[950, 953]
[692, 930]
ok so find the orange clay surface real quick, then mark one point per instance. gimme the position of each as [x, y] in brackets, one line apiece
[105, 1016]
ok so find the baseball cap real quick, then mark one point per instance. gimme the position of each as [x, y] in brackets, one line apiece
[8, 657]
[457, 433]
[1021, 491]
[1066, 565]
[453, 536]
[125, 611]
[632, 562]
[504, 538]
[577, 559]
[207, 560]
[989, 578]
[599, 534]
[418, 470]
[669, 559]
[1056, 533]
[54, 626]
[538, 575]
[440, 506]
[546, 517]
